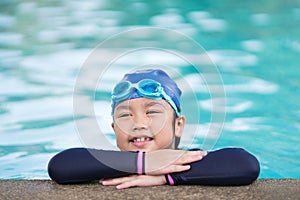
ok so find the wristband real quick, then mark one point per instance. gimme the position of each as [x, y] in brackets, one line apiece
[140, 163]
[170, 179]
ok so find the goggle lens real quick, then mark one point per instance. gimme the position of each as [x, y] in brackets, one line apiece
[149, 87]
[121, 90]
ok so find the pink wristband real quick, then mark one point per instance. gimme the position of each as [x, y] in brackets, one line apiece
[171, 181]
[140, 163]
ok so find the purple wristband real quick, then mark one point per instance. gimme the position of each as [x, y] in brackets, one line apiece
[140, 163]
[170, 179]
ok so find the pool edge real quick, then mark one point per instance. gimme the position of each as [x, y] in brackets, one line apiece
[47, 189]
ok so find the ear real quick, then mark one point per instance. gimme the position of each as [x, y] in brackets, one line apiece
[179, 125]
[113, 125]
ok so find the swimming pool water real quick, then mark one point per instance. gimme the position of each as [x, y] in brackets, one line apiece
[43, 44]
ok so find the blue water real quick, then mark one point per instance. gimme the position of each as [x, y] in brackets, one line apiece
[43, 45]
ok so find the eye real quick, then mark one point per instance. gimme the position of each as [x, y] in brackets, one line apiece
[124, 115]
[153, 112]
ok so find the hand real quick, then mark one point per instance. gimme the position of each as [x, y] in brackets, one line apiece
[135, 180]
[167, 161]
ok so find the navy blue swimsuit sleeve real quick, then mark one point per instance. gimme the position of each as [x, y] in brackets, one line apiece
[230, 166]
[79, 165]
[224, 167]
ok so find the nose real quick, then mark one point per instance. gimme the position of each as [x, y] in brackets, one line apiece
[140, 122]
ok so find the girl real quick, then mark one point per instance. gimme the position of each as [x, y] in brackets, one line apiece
[148, 126]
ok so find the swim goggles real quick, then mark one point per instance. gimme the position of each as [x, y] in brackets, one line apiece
[148, 88]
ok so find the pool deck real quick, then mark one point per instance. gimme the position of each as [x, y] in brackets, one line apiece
[46, 189]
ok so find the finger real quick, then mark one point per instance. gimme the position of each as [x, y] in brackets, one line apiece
[204, 153]
[117, 181]
[171, 169]
[144, 180]
[185, 159]
[193, 153]
[190, 157]
[128, 184]
[114, 181]
[175, 168]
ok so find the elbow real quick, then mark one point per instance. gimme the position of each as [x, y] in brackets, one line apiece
[251, 168]
[254, 170]
[243, 167]
[61, 166]
[55, 169]
[67, 167]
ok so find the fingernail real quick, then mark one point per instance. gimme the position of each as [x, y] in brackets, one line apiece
[119, 187]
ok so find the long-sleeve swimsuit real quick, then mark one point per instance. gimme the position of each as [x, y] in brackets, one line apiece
[223, 167]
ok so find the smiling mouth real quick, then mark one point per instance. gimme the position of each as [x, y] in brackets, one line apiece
[141, 139]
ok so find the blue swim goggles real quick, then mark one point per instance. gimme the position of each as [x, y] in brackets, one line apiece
[148, 88]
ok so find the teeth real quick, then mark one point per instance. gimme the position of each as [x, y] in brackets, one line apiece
[141, 139]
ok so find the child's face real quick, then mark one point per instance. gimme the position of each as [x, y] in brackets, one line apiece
[146, 125]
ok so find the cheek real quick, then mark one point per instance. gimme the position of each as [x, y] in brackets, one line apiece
[123, 126]
[122, 142]
[166, 134]
[158, 123]
[120, 135]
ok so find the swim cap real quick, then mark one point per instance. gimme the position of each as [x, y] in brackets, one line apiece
[169, 86]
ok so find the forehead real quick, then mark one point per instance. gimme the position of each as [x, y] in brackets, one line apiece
[142, 102]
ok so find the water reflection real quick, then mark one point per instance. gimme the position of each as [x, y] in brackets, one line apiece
[43, 44]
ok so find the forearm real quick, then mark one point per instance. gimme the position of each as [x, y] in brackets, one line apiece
[230, 166]
[82, 165]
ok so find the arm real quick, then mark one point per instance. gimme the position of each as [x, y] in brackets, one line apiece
[79, 165]
[82, 165]
[229, 166]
